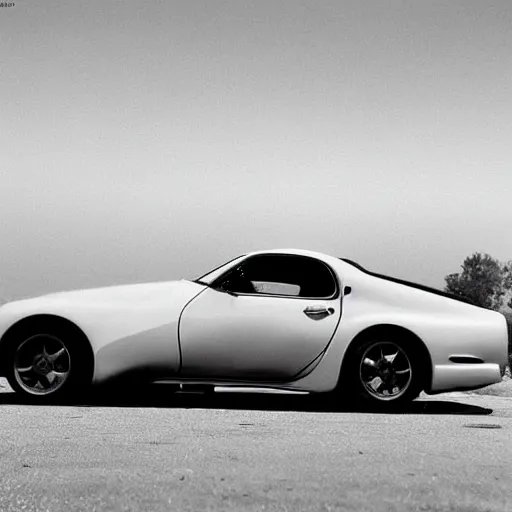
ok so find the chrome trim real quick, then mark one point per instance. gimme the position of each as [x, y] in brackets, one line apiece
[318, 312]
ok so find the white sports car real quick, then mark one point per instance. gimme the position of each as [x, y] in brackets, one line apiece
[285, 319]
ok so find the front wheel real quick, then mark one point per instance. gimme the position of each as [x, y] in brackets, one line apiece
[47, 365]
[386, 373]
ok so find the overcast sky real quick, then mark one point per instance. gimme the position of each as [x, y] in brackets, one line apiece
[153, 140]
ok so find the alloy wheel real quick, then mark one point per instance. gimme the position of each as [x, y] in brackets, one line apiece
[42, 364]
[385, 371]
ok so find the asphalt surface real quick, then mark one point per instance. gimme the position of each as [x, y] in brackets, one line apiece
[255, 452]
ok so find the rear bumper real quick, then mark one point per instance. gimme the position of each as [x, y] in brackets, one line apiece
[458, 377]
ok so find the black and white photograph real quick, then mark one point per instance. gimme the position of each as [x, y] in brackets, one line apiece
[255, 256]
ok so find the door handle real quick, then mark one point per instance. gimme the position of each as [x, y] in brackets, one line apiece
[318, 312]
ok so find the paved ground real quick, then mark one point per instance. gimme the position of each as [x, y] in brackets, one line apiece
[247, 452]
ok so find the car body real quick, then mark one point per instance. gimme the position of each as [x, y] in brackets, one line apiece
[286, 319]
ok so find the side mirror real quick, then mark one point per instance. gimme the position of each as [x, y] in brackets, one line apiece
[236, 283]
[227, 287]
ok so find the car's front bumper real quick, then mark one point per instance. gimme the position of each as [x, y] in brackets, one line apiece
[458, 377]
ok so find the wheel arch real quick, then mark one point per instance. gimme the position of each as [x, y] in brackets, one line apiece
[51, 322]
[396, 332]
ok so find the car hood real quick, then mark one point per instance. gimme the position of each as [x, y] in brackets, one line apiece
[119, 294]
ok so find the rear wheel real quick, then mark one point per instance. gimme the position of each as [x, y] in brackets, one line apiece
[48, 363]
[386, 373]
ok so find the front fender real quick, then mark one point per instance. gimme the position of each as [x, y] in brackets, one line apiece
[127, 327]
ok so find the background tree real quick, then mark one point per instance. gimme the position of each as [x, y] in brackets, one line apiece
[507, 282]
[483, 281]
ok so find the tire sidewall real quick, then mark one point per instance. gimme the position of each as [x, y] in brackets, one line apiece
[77, 381]
[352, 377]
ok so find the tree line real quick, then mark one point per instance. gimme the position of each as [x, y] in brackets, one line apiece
[486, 282]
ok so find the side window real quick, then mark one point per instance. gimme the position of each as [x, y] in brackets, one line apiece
[271, 288]
[282, 275]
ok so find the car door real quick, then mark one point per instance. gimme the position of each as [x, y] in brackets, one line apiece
[263, 321]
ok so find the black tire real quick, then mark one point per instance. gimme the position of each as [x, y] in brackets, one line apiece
[383, 374]
[48, 362]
